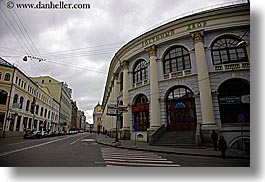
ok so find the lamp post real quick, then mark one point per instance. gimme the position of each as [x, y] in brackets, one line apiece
[116, 134]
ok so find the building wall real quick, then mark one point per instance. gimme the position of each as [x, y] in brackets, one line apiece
[23, 114]
[62, 94]
[196, 33]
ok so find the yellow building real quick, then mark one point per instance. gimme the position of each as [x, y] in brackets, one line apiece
[28, 106]
[97, 118]
[6, 77]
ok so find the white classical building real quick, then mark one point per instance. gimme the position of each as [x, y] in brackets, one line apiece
[191, 74]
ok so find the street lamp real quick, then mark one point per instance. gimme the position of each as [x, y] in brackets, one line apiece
[117, 142]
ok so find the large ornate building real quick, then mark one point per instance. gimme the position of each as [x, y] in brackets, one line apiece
[192, 74]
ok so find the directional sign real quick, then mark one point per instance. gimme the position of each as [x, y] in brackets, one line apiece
[111, 110]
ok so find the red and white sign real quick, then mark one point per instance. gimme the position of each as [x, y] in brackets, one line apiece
[140, 107]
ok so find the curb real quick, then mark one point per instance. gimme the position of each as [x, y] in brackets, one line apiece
[177, 153]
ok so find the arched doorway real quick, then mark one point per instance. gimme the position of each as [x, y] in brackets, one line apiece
[180, 108]
[140, 110]
[234, 101]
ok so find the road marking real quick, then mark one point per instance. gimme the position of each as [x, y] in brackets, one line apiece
[124, 157]
[109, 163]
[88, 140]
[78, 140]
[31, 147]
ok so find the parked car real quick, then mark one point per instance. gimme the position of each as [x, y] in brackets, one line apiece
[44, 134]
[33, 134]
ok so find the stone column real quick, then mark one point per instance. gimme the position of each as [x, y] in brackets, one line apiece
[208, 121]
[154, 89]
[125, 131]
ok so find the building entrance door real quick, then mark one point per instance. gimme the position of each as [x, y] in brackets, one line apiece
[181, 113]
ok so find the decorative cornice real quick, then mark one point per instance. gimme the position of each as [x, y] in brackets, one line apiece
[151, 50]
[197, 36]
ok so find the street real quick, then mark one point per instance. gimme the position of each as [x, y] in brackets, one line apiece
[81, 150]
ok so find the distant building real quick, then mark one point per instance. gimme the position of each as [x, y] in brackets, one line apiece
[97, 118]
[74, 117]
[62, 94]
[82, 120]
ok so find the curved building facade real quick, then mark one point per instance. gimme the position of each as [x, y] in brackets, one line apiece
[189, 75]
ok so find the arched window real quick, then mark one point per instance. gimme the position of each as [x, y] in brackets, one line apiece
[7, 76]
[176, 59]
[180, 108]
[0, 75]
[49, 114]
[15, 98]
[140, 71]
[3, 97]
[234, 101]
[21, 100]
[226, 49]
[140, 111]
[27, 105]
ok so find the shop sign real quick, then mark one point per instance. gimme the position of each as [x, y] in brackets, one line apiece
[123, 109]
[230, 100]
[111, 110]
[234, 99]
[140, 107]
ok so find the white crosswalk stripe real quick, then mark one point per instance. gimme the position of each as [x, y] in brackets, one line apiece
[130, 158]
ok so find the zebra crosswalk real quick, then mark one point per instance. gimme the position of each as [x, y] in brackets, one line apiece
[131, 158]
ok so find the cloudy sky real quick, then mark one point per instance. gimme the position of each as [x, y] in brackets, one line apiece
[79, 44]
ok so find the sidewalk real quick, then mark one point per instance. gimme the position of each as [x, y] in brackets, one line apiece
[206, 152]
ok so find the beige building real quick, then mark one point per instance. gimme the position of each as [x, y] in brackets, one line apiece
[97, 118]
[184, 79]
[62, 94]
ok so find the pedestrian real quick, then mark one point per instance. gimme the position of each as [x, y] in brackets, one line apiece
[214, 137]
[222, 146]
[106, 133]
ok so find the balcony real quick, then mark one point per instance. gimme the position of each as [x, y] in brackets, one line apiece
[177, 74]
[232, 66]
[139, 84]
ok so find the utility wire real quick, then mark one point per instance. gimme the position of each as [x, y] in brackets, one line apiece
[70, 50]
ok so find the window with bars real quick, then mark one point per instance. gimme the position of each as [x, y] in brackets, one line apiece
[140, 71]
[176, 59]
[226, 49]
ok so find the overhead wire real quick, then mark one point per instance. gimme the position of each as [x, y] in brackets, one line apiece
[28, 46]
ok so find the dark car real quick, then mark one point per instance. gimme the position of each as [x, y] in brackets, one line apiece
[33, 134]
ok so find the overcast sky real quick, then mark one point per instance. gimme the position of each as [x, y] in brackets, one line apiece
[79, 44]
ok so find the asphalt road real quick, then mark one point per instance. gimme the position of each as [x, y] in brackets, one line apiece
[81, 150]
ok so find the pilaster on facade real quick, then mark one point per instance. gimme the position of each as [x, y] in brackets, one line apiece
[208, 121]
[154, 88]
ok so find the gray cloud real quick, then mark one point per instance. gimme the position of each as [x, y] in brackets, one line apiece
[105, 23]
